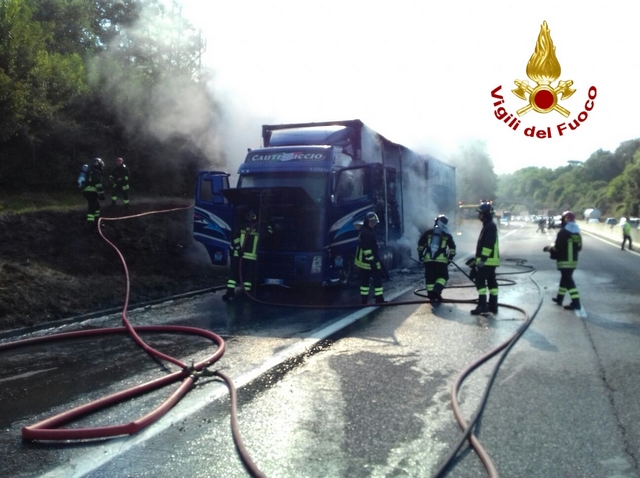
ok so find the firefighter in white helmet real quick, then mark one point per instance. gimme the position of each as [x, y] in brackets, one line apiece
[436, 248]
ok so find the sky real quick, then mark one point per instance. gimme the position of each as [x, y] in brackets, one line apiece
[421, 73]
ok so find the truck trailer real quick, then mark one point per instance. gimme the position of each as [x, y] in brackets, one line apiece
[309, 183]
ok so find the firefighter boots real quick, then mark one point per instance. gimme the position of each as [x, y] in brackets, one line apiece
[229, 294]
[482, 308]
[493, 304]
[380, 299]
[558, 300]
[574, 305]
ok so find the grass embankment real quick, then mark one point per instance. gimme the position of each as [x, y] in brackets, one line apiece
[53, 266]
[21, 203]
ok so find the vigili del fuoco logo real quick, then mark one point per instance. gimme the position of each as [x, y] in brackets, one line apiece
[543, 69]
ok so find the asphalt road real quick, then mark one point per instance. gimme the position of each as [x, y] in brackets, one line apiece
[373, 399]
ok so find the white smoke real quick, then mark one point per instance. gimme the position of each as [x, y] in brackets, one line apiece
[177, 104]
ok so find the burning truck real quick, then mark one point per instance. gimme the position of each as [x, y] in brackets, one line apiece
[310, 182]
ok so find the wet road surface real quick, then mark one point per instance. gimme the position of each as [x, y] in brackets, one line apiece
[374, 400]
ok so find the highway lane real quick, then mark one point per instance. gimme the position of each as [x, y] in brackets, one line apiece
[42, 380]
[375, 401]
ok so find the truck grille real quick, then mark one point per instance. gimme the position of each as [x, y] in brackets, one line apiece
[277, 266]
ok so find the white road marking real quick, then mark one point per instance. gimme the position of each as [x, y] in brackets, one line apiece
[608, 241]
[26, 374]
[85, 463]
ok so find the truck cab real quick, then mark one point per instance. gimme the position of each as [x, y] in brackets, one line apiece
[307, 198]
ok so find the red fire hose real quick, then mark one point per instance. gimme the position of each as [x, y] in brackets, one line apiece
[48, 429]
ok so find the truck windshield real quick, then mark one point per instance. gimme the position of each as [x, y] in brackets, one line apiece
[315, 184]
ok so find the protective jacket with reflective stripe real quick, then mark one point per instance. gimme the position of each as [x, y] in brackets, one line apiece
[568, 245]
[246, 241]
[446, 249]
[120, 175]
[94, 182]
[367, 252]
[488, 249]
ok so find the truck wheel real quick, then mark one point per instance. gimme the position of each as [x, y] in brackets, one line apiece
[388, 261]
[345, 272]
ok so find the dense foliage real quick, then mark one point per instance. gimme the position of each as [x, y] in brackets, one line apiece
[101, 78]
[107, 78]
[607, 181]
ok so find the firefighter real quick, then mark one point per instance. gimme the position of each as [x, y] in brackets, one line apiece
[93, 190]
[436, 249]
[244, 254]
[487, 259]
[368, 260]
[626, 234]
[119, 178]
[565, 251]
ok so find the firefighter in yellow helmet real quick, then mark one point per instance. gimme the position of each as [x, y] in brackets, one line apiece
[367, 259]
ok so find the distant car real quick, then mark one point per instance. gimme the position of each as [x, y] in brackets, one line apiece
[611, 221]
[555, 221]
[593, 220]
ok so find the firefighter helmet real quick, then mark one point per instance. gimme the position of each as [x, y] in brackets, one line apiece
[97, 163]
[568, 216]
[372, 216]
[486, 208]
[443, 219]
[251, 215]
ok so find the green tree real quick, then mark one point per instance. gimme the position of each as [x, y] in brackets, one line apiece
[599, 166]
[605, 180]
[86, 78]
[631, 186]
[149, 84]
[37, 84]
[528, 186]
[615, 189]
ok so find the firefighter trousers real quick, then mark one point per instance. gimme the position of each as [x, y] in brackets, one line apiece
[93, 206]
